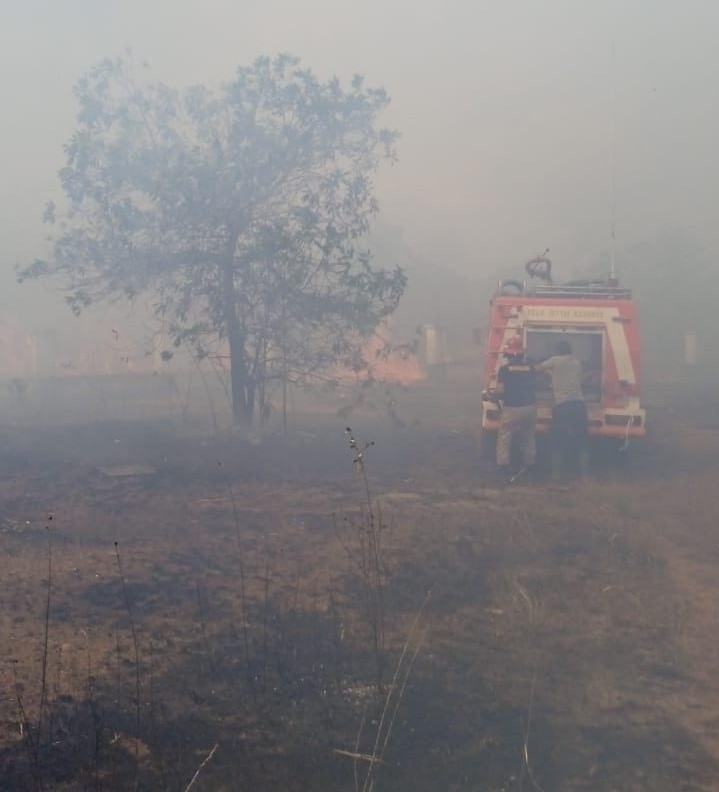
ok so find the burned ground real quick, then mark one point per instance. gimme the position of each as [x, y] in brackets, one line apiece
[568, 641]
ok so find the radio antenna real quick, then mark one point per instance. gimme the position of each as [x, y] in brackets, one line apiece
[612, 168]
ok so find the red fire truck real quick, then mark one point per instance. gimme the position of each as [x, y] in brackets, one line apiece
[598, 318]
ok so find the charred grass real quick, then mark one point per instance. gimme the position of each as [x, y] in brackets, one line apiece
[569, 636]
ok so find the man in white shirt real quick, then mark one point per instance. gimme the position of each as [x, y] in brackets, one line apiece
[569, 414]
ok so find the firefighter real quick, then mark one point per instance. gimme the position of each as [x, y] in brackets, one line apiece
[515, 396]
[569, 413]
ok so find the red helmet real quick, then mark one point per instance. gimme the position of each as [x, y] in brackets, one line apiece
[514, 346]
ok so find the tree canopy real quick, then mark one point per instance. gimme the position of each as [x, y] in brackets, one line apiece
[241, 210]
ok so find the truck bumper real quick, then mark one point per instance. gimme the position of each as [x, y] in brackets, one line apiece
[602, 422]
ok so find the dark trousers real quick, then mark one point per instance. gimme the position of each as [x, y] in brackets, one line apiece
[569, 436]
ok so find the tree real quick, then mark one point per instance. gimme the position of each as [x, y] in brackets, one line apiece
[239, 210]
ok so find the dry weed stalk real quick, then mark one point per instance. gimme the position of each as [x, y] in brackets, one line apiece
[26, 732]
[46, 636]
[337, 632]
[368, 558]
[201, 613]
[525, 746]
[390, 708]
[95, 713]
[241, 569]
[199, 769]
[151, 689]
[265, 618]
[358, 742]
[136, 647]
[395, 694]
[34, 740]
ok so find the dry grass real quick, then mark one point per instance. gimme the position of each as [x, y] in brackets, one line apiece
[605, 595]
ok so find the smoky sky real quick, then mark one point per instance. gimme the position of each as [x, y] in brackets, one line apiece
[506, 109]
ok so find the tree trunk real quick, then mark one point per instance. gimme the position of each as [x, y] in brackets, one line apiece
[284, 368]
[241, 388]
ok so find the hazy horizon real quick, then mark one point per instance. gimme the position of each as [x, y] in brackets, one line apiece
[505, 112]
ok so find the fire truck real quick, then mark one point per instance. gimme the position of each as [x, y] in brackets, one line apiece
[598, 319]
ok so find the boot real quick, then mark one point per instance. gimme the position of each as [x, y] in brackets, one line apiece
[502, 475]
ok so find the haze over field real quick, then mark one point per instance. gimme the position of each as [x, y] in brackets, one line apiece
[506, 113]
[504, 108]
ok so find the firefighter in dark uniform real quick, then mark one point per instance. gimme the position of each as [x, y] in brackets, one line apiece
[515, 396]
